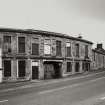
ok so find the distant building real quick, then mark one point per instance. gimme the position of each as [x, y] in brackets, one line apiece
[36, 54]
[98, 57]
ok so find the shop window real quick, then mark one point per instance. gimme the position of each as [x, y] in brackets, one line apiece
[35, 49]
[58, 48]
[21, 68]
[21, 44]
[7, 44]
[68, 49]
[7, 68]
[69, 67]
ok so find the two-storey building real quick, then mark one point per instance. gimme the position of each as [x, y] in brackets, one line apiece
[98, 58]
[35, 54]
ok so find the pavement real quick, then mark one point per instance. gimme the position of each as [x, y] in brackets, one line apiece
[6, 86]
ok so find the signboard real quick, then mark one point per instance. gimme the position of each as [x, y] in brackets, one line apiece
[68, 44]
[35, 63]
[47, 49]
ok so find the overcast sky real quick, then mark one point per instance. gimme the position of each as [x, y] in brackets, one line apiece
[73, 17]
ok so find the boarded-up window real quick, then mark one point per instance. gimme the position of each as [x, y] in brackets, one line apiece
[35, 49]
[47, 47]
[69, 67]
[21, 68]
[58, 48]
[68, 49]
[7, 44]
[7, 68]
[21, 44]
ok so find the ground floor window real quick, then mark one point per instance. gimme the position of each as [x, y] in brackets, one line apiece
[83, 66]
[7, 68]
[21, 68]
[69, 67]
[86, 66]
[77, 66]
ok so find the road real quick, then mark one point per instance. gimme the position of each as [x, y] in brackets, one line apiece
[86, 90]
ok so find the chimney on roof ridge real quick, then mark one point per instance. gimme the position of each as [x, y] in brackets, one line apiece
[80, 35]
[100, 46]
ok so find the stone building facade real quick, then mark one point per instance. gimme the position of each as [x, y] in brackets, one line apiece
[98, 58]
[35, 54]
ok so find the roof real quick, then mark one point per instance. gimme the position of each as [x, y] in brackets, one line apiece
[41, 32]
[100, 51]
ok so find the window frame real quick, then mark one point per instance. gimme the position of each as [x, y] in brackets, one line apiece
[77, 49]
[86, 51]
[9, 44]
[10, 74]
[32, 49]
[59, 52]
[19, 70]
[67, 55]
[24, 45]
[68, 70]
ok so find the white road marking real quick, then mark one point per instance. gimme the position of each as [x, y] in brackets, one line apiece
[3, 101]
[57, 89]
[69, 86]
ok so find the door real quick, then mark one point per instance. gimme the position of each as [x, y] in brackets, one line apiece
[35, 72]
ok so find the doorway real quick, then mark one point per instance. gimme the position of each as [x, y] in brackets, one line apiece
[52, 69]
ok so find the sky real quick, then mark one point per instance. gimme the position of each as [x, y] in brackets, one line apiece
[72, 17]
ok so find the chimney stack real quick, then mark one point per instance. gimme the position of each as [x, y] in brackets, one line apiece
[99, 46]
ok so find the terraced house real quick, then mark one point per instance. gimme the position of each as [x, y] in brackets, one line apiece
[35, 54]
[98, 57]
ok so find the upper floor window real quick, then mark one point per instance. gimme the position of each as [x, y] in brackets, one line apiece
[35, 49]
[58, 48]
[7, 43]
[47, 47]
[86, 50]
[21, 44]
[68, 49]
[77, 49]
